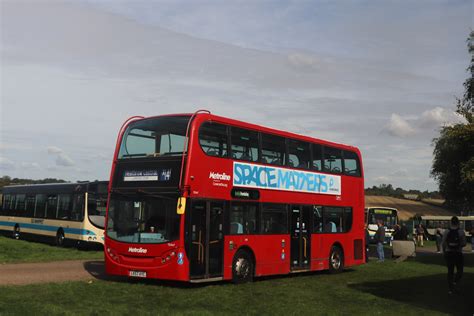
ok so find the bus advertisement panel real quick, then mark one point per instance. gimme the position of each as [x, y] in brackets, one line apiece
[199, 197]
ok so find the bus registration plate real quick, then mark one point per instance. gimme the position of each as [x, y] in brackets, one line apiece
[137, 274]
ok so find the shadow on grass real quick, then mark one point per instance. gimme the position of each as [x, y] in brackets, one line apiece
[96, 269]
[428, 292]
[438, 259]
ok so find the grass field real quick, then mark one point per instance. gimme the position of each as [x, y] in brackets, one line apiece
[16, 251]
[408, 288]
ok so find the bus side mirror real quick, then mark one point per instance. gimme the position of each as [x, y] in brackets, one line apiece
[181, 206]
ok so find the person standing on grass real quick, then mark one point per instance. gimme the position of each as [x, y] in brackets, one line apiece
[439, 239]
[454, 239]
[379, 238]
[420, 234]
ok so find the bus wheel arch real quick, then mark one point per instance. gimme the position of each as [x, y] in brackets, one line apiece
[336, 258]
[243, 265]
[16, 232]
[60, 238]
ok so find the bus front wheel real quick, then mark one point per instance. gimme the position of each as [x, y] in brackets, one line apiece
[336, 260]
[60, 238]
[242, 267]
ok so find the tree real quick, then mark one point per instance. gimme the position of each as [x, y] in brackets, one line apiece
[453, 163]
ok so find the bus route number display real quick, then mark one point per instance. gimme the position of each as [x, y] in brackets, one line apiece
[147, 175]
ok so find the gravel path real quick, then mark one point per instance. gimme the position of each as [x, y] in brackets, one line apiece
[58, 271]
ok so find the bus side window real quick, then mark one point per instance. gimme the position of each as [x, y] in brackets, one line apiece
[77, 212]
[243, 218]
[20, 205]
[30, 206]
[244, 144]
[213, 139]
[40, 205]
[332, 160]
[274, 219]
[273, 149]
[318, 219]
[298, 154]
[317, 157]
[351, 163]
[51, 206]
[6, 204]
[64, 206]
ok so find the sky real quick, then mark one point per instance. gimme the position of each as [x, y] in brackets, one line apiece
[379, 75]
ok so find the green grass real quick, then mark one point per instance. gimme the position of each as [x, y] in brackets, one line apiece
[18, 251]
[407, 288]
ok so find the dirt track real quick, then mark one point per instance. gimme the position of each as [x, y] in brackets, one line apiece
[58, 271]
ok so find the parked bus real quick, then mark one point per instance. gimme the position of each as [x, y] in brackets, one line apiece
[60, 212]
[388, 216]
[432, 222]
[203, 198]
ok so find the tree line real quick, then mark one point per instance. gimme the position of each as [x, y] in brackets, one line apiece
[389, 190]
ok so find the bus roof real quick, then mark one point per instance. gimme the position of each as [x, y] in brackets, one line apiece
[229, 121]
[51, 187]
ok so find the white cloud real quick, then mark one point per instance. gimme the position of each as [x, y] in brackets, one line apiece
[64, 160]
[54, 150]
[399, 127]
[6, 163]
[438, 116]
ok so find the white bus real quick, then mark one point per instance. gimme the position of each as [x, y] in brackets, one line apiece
[388, 216]
[60, 212]
[432, 222]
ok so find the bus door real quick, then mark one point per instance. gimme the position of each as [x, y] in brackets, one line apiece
[300, 237]
[207, 239]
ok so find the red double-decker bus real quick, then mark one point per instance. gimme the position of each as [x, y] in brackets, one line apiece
[199, 197]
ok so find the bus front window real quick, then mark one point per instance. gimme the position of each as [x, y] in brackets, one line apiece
[96, 208]
[389, 220]
[142, 219]
[154, 137]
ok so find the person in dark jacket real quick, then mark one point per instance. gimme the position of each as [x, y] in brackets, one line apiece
[404, 232]
[454, 239]
[380, 238]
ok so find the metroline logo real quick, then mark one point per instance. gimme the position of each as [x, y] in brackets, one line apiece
[137, 250]
[219, 176]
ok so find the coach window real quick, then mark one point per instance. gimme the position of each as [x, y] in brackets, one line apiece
[51, 206]
[273, 149]
[77, 211]
[332, 160]
[243, 218]
[64, 206]
[244, 144]
[274, 219]
[298, 154]
[40, 205]
[351, 163]
[6, 204]
[318, 219]
[30, 205]
[317, 157]
[20, 205]
[213, 139]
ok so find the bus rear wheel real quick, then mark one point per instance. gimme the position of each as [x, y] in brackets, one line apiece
[16, 232]
[336, 260]
[242, 267]
[60, 238]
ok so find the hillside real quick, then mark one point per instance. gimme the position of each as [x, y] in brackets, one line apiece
[406, 208]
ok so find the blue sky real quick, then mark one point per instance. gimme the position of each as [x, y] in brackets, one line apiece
[381, 75]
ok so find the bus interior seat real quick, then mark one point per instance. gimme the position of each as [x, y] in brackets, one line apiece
[236, 228]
